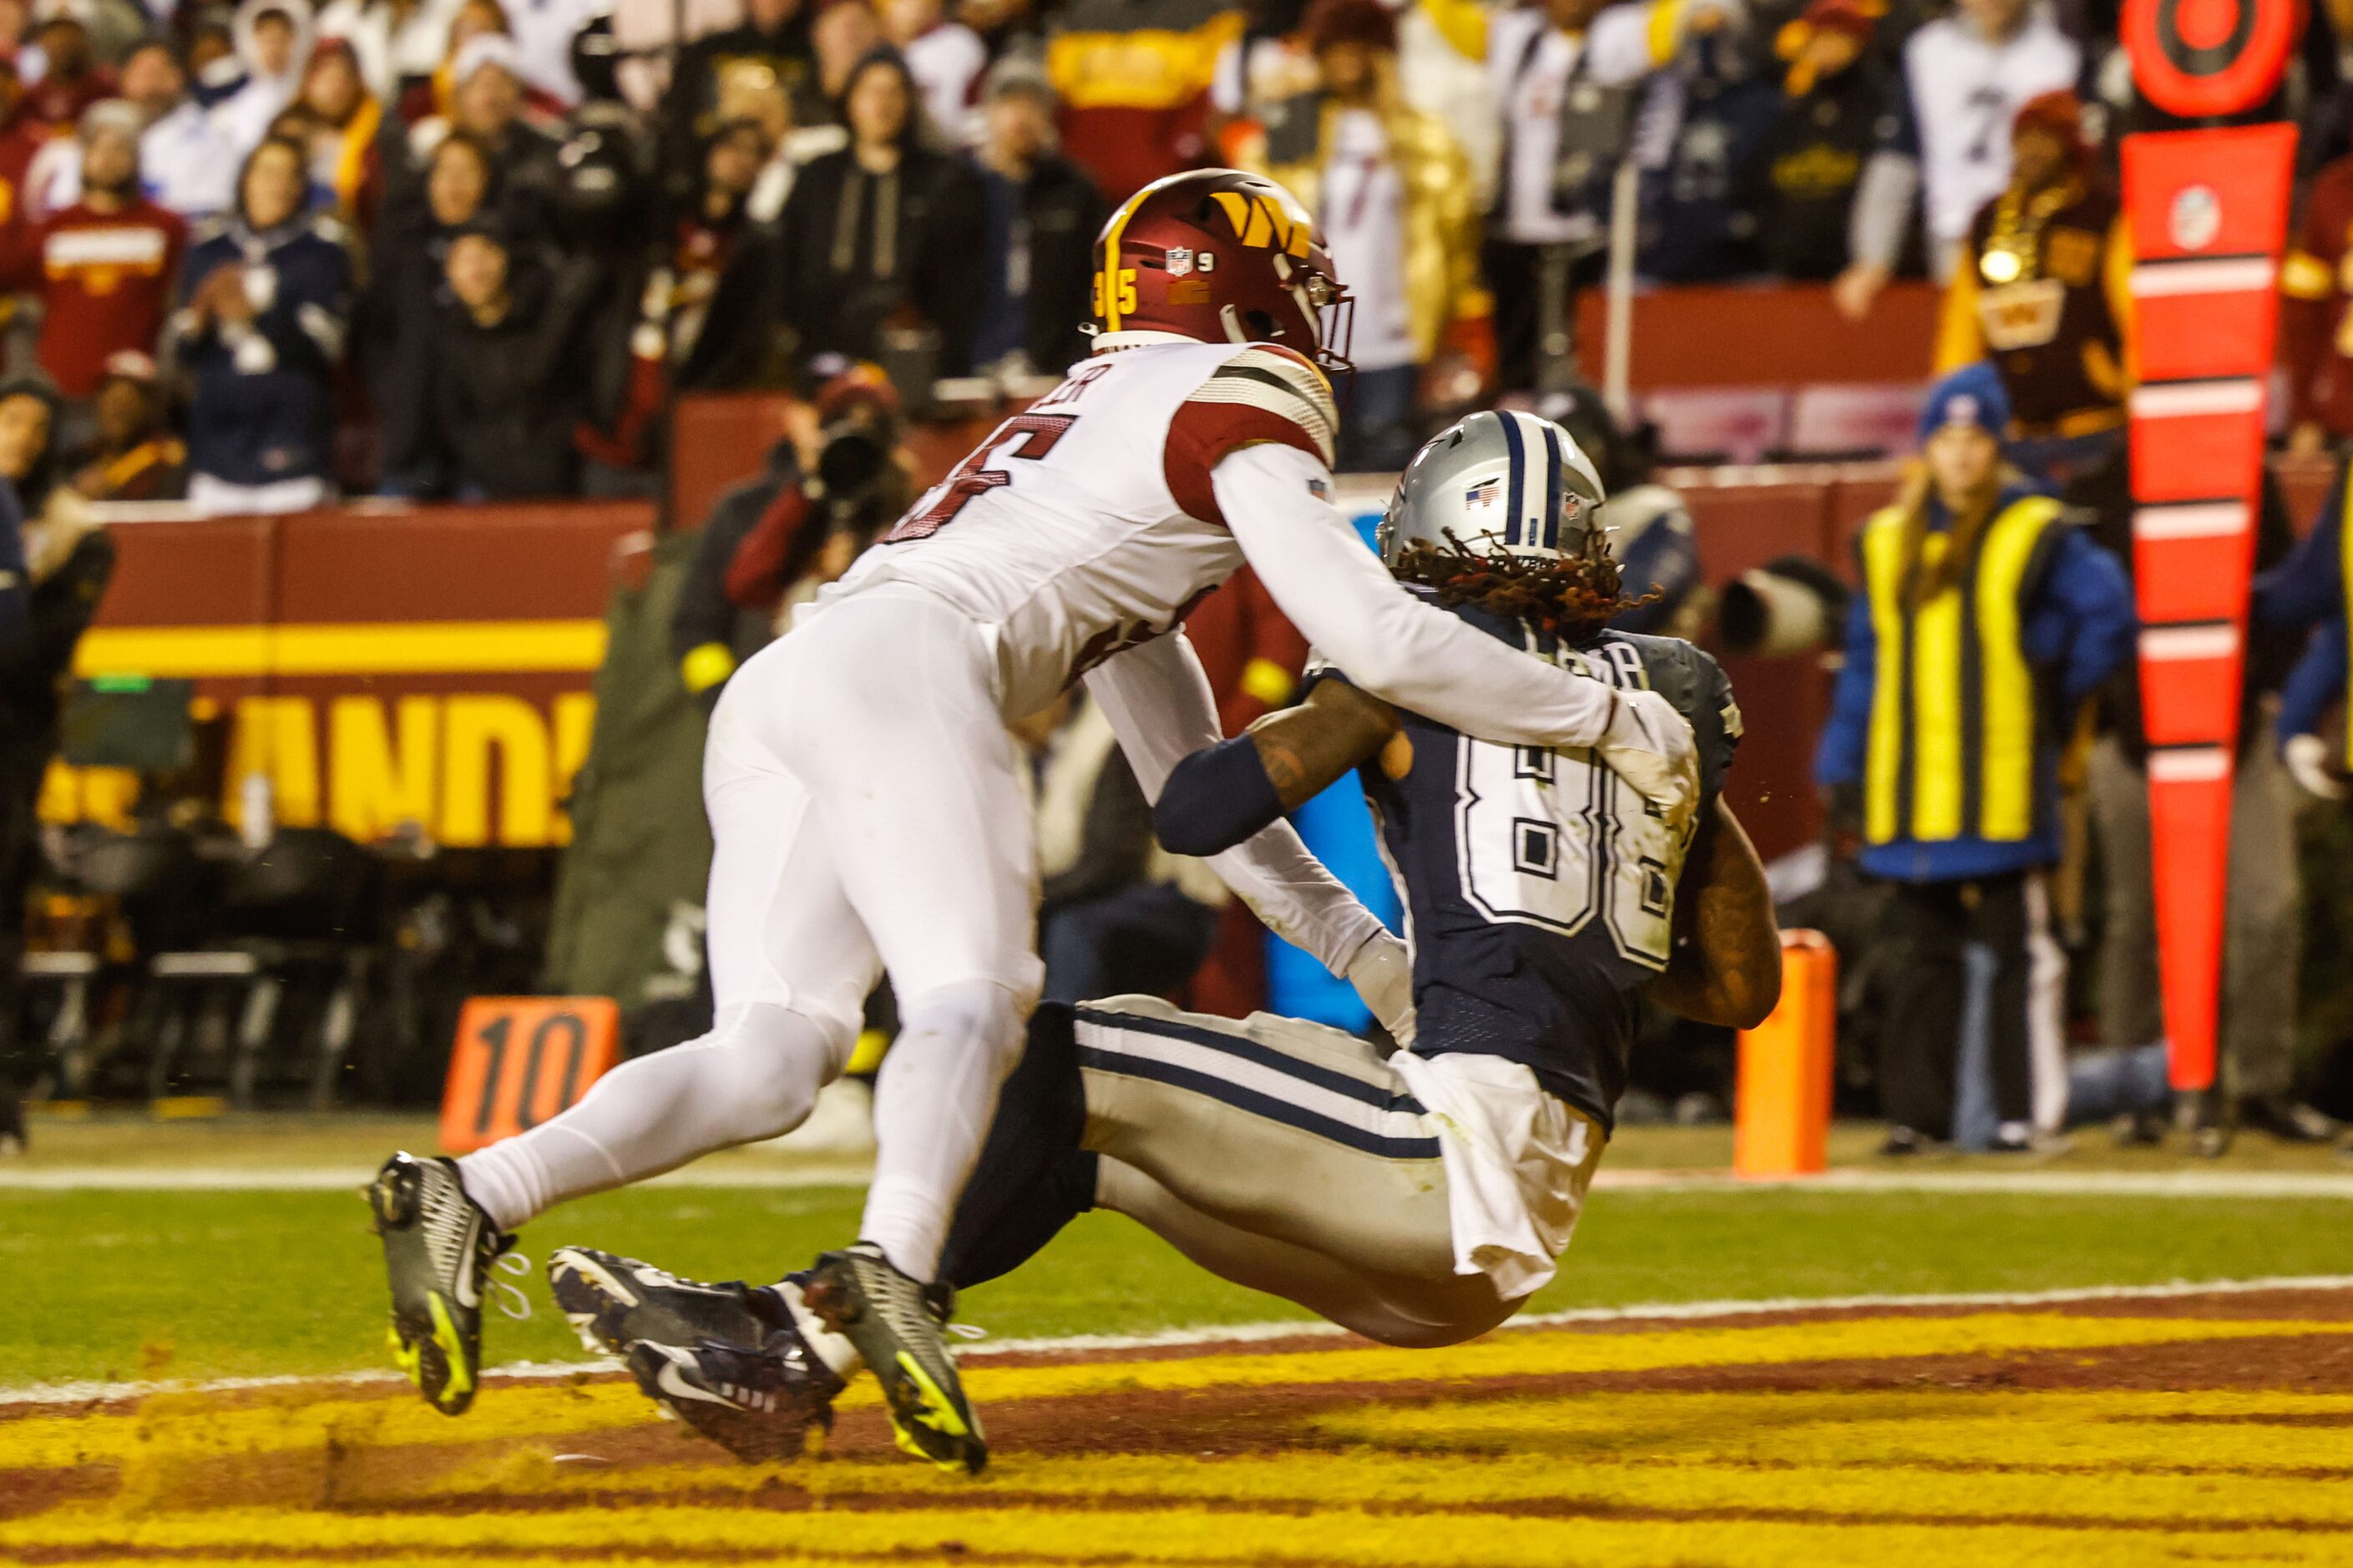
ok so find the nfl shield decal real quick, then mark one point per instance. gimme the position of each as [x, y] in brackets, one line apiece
[1181, 261]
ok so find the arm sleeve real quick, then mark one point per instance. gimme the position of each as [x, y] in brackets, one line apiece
[1883, 208]
[1158, 702]
[2315, 683]
[2310, 586]
[305, 323]
[1837, 757]
[1402, 651]
[1720, 715]
[755, 576]
[1626, 43]
[2088, 588]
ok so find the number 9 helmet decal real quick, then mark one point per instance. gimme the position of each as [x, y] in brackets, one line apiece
[1219, 255]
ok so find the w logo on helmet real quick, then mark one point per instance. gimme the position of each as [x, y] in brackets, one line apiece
[1267, 223]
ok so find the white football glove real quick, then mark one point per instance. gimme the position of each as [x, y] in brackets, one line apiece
[1382, 972]
[2308, 764]
[1650, 746]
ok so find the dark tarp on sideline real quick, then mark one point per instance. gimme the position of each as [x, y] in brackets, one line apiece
[640, 845]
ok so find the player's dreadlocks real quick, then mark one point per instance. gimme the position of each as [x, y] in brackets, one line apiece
[1572, 596]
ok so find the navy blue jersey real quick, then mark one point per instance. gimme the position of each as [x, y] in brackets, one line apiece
[1539, 887]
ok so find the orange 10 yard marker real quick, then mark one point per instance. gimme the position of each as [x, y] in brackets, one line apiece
[519, 1061]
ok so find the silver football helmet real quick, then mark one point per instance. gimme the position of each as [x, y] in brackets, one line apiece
[1503, 481]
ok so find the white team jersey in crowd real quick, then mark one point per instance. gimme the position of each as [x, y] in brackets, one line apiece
[1534, 67]
[1087, 524]
[1966, 92]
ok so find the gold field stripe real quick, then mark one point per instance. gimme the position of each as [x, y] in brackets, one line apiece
[2153, 1433]
[41, 1442]
[197, 1425]
[1173, 1535]
[1506, 1483]
[1601, 1484]
[359, 648]
[1554, 1355]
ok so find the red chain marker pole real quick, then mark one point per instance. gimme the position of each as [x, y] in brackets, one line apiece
[2208, 206]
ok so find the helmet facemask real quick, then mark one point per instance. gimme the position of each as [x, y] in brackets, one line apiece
[1326, 306]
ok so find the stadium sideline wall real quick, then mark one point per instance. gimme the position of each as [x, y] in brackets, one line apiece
[384, 664]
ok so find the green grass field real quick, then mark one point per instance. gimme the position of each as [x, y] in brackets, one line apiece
[121, 1285]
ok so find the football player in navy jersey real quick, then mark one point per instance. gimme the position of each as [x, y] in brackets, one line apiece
[1418, 1195]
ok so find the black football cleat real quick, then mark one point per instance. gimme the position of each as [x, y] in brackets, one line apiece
[725, 1359]
[762, 1404]
[895, 1322]
[615, 1301]
[438, 1249]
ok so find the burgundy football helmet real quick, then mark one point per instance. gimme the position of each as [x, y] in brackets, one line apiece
[1222, 256]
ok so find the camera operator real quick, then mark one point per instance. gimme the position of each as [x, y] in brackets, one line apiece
[837, 478]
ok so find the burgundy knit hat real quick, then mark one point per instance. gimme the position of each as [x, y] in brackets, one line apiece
[2058, 115]
[862, 383]
[1852, 17]
[1365, 22]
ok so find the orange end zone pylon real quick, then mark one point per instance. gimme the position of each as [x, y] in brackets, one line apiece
[1782, 1117]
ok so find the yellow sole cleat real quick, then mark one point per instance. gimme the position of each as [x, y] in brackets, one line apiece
[439, 1246]
[937, 1414]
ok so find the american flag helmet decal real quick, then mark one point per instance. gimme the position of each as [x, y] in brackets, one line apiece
[1502, 481]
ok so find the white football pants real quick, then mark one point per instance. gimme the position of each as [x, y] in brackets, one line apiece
[1288, 1157]
[866, 816]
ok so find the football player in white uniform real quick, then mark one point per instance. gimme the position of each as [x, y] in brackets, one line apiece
[864, 798]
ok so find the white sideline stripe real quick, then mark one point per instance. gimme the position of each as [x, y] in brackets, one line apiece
[2198, 519]
[1240, 1334]
[2184, 399]
[335, 1178]
[2059, 1183]
[2245, 274]
[2163, 643]
[2048, 1183]
[2189, 764]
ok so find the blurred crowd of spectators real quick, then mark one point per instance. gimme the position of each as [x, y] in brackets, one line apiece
[471, 249]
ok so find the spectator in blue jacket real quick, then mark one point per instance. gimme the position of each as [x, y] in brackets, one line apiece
[266, 300]
[1986, 618]
[2307, 589]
